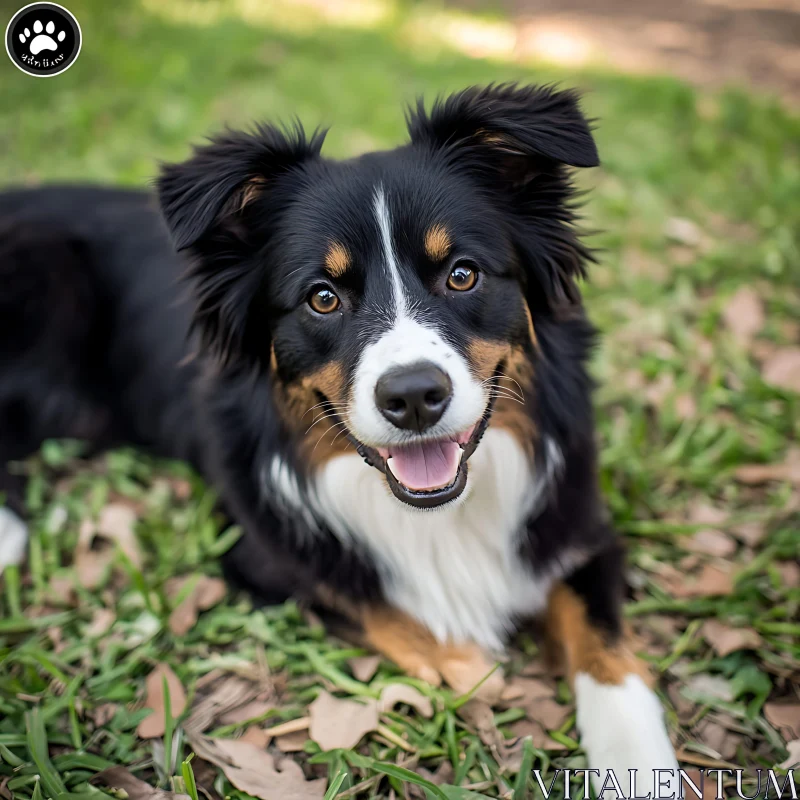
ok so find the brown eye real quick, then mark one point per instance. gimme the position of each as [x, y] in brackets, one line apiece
[323, 301]
[462, 277]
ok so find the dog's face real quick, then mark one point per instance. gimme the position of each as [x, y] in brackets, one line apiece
[394, 297]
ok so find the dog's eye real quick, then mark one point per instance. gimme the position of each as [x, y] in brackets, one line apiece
[462, 277]
[323, 300]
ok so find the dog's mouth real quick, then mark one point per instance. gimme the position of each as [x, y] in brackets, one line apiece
[427, 473]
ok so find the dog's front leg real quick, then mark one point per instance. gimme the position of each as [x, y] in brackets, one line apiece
[416, 651]
[619, 716]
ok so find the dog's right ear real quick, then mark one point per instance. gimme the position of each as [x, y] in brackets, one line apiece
[223, 177]
[221, 204]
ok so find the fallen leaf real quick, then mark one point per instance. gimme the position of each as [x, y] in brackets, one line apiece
[540, 737]
[155, 724]
[751, 533]
[257, 736]
[223, 695]
[396, 693]
[685, 406]
[92, 558]
[364, 667]
[744, 314]
[700, 688]
[782, 369]
[712, 580]
[292, 742]
[251, 710]
[341, 723]
[61, 590]
[725, 639]
[704, 783]
[205, 593]
[790, 573]
[794, 755]
[102, 620]
[683, 231]
[787, 470]
[117, 522]
[103, 714]
[785, 717]
[256, 772]
[702, 513]
[710, 542]
[120, 778]
[718, 738]
[480, 716]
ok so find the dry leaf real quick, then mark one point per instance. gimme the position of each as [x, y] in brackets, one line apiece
[782, 369]
[341, 723]
[710, 542]
[61, 590]
[718, 738]
[751, 533]
[683, 231]
[92, 558]
[292, 742]
[712, 580]
[725, 639]
[116, 523]
[744, 314]
[396, 693]
[703, 686]
[226, 694]
[251, 710]
[254, 771]
[790, 573]
[788, 470]
[794, 755]
[120, 778]
[364, 667]
[480, 716]
[709, 791]
[102, 620]
[785, 717]
[685, 406]
[257, 736]
[205, 593]
[103, 714]
[154, 725]
[541, 739]
[702, 513]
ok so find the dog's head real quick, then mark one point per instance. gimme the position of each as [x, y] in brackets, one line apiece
[394, 298]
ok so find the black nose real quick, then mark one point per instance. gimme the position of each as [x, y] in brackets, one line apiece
[414, 397]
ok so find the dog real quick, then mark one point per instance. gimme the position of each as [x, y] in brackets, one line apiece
[380, 363]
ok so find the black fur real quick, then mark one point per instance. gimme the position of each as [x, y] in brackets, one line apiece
[98, 340]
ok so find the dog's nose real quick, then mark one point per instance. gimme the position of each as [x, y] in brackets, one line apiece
[414, 397]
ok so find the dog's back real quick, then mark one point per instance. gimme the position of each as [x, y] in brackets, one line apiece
[91, 328]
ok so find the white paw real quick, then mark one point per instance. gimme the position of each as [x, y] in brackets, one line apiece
[42, 41]
[622, 729]
[13, 539]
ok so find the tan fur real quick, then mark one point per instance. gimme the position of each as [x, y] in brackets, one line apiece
[317, 431]
[582, 647]
[337, 260]
[437, 242]
[251, 190]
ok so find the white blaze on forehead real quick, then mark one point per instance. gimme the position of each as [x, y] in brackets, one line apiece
[389, 256]
[407, 338]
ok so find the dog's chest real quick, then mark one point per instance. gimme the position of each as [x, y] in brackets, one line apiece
[455, 569]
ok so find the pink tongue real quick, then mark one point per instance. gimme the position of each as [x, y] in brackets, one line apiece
[426, 465]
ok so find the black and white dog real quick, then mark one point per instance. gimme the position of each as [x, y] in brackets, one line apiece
[379, 363]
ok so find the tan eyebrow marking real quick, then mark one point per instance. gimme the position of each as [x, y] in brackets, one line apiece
[337, 259]
[437, 242]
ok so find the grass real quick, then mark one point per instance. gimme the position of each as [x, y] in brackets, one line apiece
[153, 77]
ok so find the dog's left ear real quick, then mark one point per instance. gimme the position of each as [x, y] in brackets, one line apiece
[509, 132]
[518, 142]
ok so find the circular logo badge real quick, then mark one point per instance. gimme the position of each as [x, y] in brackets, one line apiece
[43, 39]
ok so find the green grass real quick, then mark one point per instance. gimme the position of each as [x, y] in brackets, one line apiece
[154, 77]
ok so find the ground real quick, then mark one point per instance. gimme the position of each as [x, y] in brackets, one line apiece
[697, 293]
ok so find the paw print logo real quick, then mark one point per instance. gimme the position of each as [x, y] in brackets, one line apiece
[43, 39]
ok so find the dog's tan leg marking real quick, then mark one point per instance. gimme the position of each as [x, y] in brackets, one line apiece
[619, 716]
[416, 651]
[582, 647]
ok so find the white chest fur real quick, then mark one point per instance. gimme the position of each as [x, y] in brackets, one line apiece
[455, 569]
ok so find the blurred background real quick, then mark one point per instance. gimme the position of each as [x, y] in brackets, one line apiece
[695, 214]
